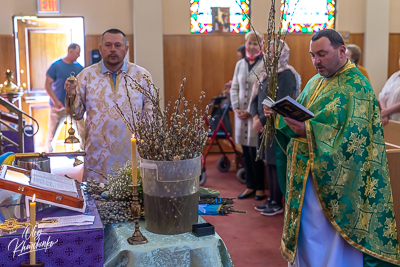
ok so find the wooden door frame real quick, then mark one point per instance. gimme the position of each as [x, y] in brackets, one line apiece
[26, 36]
[20, 39]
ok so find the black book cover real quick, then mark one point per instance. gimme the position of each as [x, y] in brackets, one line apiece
[288, 107]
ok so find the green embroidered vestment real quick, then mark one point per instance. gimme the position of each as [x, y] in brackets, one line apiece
[345, 152]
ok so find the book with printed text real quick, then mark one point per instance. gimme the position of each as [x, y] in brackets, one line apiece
[288, 107]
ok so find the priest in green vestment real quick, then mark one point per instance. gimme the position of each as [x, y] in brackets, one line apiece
[339, 156]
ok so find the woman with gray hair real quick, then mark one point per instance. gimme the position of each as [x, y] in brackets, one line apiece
[245, 75]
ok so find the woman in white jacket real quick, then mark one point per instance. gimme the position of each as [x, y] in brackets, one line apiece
[246, 72]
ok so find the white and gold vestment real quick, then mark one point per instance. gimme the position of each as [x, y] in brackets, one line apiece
[107, 138]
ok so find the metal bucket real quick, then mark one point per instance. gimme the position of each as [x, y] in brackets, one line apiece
[37, 163]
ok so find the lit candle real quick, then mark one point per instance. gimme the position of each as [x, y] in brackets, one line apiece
[134, 160]
[32, 210]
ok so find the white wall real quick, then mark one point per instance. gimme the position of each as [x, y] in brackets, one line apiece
[394, 18]
[350, 16]
[376, 39]
[148, 41]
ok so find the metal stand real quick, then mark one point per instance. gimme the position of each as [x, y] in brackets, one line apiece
[137, 237]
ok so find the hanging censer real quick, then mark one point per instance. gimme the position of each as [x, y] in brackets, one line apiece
[71, 139]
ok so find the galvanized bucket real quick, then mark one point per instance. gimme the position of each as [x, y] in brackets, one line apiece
[37, 163]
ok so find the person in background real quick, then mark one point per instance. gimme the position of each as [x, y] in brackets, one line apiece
[241, 52]
[389, 99]
[56, 75]
[289, 82]
[242, 83]
[98, 89]
[353, 53]
[339, 207]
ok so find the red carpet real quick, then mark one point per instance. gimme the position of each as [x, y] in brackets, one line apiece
[251, 239]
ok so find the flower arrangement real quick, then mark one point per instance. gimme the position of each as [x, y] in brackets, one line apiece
[120, 185]
[116, 196]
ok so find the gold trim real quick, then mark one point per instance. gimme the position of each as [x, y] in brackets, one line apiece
[300, 139]
[111, 81]
[284, 250]
[314, 96]
[310, 143]
[117, 82]
[315, 93]
[296, 237]
[286, 253]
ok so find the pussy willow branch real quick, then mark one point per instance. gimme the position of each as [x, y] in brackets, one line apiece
[181, 136]
[270, 67]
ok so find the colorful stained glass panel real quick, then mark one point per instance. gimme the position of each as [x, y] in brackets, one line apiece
[307, 16]
[219, 16]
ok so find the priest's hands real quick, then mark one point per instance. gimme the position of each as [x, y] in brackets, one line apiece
[297, 126]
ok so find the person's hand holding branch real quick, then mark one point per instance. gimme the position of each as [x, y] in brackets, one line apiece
[267, 111]
[257, 125]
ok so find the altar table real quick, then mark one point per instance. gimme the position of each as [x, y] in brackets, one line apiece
[182, 250]
[74, 245]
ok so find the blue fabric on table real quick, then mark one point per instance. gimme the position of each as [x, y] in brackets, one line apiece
[163, 250]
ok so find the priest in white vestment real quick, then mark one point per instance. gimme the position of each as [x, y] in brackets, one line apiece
[98, 88]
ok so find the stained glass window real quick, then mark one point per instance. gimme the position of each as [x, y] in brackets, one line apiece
[308, 16]
[219, 16]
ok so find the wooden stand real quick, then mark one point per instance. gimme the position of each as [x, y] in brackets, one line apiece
[391, 133]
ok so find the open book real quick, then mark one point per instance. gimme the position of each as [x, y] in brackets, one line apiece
[54, 182]
[288, 107]
[48, 188]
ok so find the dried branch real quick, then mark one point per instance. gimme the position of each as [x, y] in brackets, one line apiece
[159, 137]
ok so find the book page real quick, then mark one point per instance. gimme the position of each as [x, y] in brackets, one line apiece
[17, 177]
[52, 181]
[268, 102]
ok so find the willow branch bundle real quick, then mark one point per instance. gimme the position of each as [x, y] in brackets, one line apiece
[161, 137]
[273, 43]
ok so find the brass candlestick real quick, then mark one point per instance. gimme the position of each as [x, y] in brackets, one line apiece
[137, 237]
